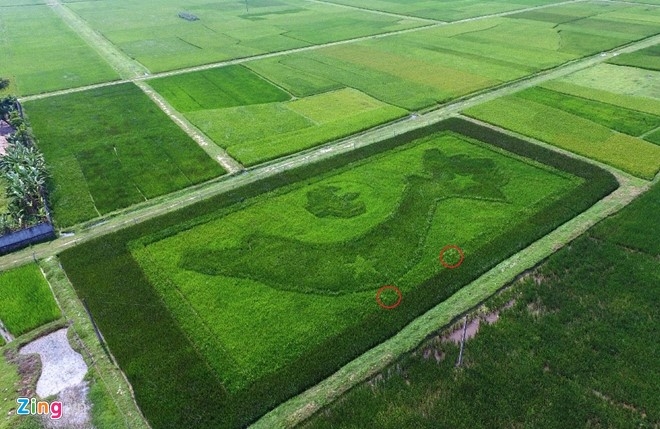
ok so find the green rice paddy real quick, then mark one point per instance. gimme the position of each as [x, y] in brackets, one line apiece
[40, 53]
[111, 149]
[26, 301]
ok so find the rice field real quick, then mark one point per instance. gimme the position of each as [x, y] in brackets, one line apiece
[586, 131]
[40, 53]
[153, 33]
[26, 301]
[231, 278]
[113, 148]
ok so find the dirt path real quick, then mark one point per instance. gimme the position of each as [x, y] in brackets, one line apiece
[208, 145]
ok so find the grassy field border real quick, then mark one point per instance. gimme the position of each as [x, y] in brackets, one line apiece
[85, 265]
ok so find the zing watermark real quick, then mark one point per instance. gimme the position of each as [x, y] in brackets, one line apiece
[32, 407]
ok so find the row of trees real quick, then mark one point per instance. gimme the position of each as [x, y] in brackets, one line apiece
[24, 172]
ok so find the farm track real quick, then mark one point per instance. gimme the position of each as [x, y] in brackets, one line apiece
[117, 53]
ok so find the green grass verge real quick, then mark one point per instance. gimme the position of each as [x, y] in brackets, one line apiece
[217, 88]
[113, 148]
[26, 301]
[571, 132]
[40, 53]
[144, 352]
[577, 348]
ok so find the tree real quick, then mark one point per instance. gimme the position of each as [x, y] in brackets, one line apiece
[4, 82]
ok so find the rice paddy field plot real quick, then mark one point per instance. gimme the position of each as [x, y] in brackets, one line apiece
[258, 133]
[40, 53]
[627, 81]
[153, 33]
[628, 121]
[577, 345]
[648, 58]
[217, 88]
[447, 10]
[112, 147]
[228, 280]
[26, 301]
[576, 133]
[419, 69]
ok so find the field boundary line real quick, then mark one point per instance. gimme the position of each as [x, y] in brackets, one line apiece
[648, 133]
[303, 406]
[258, 57]
[376, 11]
[217, 153]
[125, 66]
[115, 382]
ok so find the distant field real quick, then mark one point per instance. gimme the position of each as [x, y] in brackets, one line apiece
[258, 133]
[217, 88]
[448, 10]
[578, 346]
[628, 81]
[579, 125]
[26, 301]
[417, 70]
[40, 53]
[648, 58]
[256, 121]
[151, 31]
[228, 288]
[111, 149]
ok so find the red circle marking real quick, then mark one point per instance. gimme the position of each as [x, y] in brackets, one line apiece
[389, 287]
[442, 254]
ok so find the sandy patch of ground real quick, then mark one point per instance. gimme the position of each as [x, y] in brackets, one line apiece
[75, 409]
[62, 367]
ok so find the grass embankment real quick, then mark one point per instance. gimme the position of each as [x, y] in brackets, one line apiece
[112, 147]
[577, 348]
[152, 360]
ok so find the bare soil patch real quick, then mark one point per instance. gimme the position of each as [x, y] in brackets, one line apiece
[62, 367]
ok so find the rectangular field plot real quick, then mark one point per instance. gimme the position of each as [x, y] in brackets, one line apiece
[586, 127]
[265, 291]
[256, 121]
[153, 33]
[448, 10]
[648, 58]
[26, 301]
[40, 53]
[419, 69]
[112, 147]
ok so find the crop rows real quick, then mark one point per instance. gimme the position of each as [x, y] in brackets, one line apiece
[26, 301]
[150, 359]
